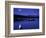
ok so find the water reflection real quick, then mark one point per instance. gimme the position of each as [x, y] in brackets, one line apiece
[23, 22]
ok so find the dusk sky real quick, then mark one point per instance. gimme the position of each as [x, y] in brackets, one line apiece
[26, 11]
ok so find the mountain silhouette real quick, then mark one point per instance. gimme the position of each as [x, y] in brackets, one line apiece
[22, 17]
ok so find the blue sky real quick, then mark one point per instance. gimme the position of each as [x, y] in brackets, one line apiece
[26, 11]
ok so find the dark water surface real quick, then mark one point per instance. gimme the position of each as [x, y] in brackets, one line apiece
[27, 24]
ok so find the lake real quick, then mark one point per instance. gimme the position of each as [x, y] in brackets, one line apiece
[27, 24]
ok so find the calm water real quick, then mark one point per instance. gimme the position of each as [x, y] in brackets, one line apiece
[34, 24]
